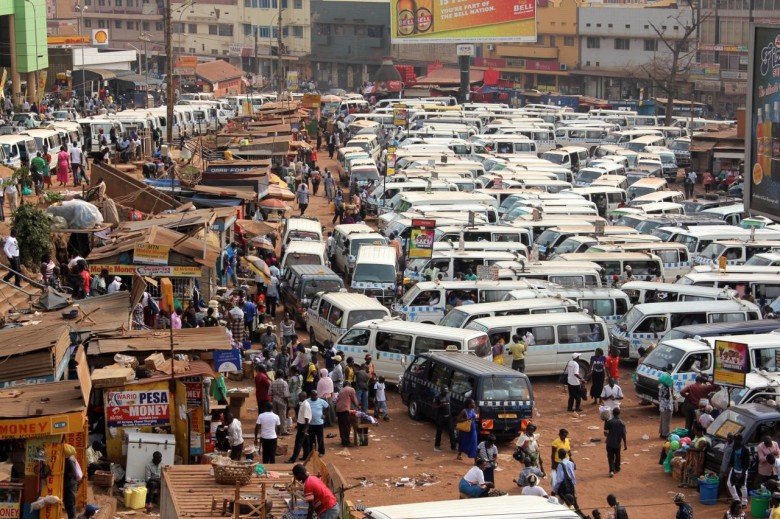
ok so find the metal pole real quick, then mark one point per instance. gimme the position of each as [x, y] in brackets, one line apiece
[280, 78]
[169, 74]
[39, 95]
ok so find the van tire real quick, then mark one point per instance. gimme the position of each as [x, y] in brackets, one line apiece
[584, 369]
[414, 409]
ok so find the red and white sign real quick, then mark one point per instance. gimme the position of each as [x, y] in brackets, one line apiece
[138, 408]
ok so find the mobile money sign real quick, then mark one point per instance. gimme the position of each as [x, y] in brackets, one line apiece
[463, 21]
[762, 123]
[138, 408]
[731, 363]
[421, 238]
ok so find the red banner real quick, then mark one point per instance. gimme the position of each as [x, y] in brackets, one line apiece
[547, 66]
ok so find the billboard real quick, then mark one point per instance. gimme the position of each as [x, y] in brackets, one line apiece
[137, 408]
[731, 363]
[762, 124]
[458, 21]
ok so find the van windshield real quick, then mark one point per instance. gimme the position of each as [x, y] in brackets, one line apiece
[303, 259]
[664, 358]
[454, 319]
[629, 320]
[417, 265]
[505, 388]
[373, 273]
[713, 250]
[310, 288]
[356, 243]
[358, 316]
[674, 333]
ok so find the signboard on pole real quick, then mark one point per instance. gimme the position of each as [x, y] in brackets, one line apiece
[461, 21]
[421, 238]
[762, 124]
[731, 363]
[400, 116]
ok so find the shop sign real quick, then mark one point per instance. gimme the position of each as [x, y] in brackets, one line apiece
[194, 393]
[40, 426]
[151, 254]
[151, 271]
[227, 361]
[138, 408]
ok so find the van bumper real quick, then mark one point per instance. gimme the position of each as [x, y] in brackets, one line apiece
[622, 344]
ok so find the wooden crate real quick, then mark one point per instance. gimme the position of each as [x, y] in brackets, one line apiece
[103, 479]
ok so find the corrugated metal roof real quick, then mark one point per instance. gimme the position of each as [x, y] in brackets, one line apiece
[26, 339]
[186, 246]
[185, 339]
[41, 399]
[105, 313]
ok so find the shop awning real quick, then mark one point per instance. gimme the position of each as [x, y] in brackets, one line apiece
[737, 155]
[184, 340]
[702, 146]
[104, 73]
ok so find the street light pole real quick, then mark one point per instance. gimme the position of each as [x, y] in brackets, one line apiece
[81, 10]
[144, 37]
[169, 74]
[280, 77]
[39, 95]
[181, 10]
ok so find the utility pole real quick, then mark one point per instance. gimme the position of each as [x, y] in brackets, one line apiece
[257, 53]
[169, 75]
[144, 37]
[280, 78]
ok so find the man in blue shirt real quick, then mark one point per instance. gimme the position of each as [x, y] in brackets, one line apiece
[250, 312]
[317, 424]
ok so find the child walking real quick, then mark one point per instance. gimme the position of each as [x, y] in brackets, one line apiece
[381, 399]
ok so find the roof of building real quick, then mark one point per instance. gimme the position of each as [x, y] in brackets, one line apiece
[184, 340]
[178, 242]
[449, 76]
[41, 399]
[216, 71]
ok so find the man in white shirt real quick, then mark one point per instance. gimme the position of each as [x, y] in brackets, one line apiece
[76, 160]
[12, 194]
[473, 483]
[611, 394]
[573, 381]
[115, 285]
[302, 429]
[11, 249]
[266, 424]
[235, 437]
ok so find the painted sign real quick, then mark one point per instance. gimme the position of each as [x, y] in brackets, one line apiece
[311, 100]
[138, 408]
[227, 361]
[762, 124]
[40, 426]
[421, 238]
[731, 363]
[400, 115]
[463, 21]
[99, 37]
[151, 254]
[152, 271]
[194, 393]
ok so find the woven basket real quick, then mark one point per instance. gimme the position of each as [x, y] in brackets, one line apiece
[236, 472]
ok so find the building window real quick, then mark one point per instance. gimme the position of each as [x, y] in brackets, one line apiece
[593, 43]
[360, 30]
[568, 41]
[118, 3]
[87, 23]
[284, 4]
[265, 4]
[130, 26]
[297, 31]
[323, 29]
[225, 29]
[628, 26]
[87, 2]
[552, 41]
[146, 26]
[225, 52]
[285, 31]
[192, 28]
[158, 26]
[215, 52]
[622, 44]
[264, 31]
[101, 2]
[176, 27]
[540, 39]
[118, 24]
[651, 45]
[297, 4]
[609, 25]
[192, 50]
[247, 3]
[213, 30]
[338, 30]
[247, 29]
[101, 24]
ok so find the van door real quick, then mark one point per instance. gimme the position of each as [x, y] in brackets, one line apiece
[388, 350]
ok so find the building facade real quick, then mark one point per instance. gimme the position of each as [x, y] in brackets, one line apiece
[23, 40]
[349, 40]
[622, 49]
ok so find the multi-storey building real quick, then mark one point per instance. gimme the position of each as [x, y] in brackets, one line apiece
[23, 44]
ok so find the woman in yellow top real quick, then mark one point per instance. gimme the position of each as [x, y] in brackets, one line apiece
[561, 442]
[774, 505]
[498, 351]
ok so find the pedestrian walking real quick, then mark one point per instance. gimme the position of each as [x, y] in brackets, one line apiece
[316, 426]
[737, 467]
[684, 510]
[302, 441]
[302, 195]
[316, 178]
[441, 406]
[618, 510]
[665, 405]
[561, 443]
[690, 183]
[573, 383]
[597, 374]
[330, 185]
[467, 430]
[267, 424]
[338, 202]
[517, 350]
[615, 432]
[11, 250]
[565, 485]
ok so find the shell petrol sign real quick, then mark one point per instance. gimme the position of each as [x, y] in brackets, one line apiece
[100, 37]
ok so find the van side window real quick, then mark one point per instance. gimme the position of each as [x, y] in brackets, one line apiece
[698, 361]
[642, 268]
[324, 309]
[504, 238]
[335, 316]
[542, 334]
[356, 338]
[687, 319]
[578, 333]
[771, 428]
[491, 296]
[425, 344]
[419, 367]
[427, 298]
[668, 256]
[652, 325]
[568, 281]
[463, 265]
[600, 307]
[727, 317]
[394, 343]
[621, 306]
[462, 384]
[764, 358]
[441, 375]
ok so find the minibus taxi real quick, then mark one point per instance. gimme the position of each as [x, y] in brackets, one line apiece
[449, 262]
[508, 507]
[685, 359]
[764, 259]
[393, 343]
[484, 233]
[639, 292]
[735, 252]
[574, 274]
[646, 186]
[608, 303]
[645, 323]
[331, 314]
[375, 272]
[429, 301]
[548, 240]
[406, 201]
[639, 265]
[583, 242]
[763, 287]
[606, 198]
[555, 338]
[301, 228]
[300, 252]
[611, 181]
[717, 329]
[674, 256]
[462, 315]
[674, 197]
[699, 237]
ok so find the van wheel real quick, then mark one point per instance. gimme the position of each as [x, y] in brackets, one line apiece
[312, 338]
[415, 413]
[584, 369]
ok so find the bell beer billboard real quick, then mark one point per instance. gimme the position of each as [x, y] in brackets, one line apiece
[463, 21]
[762, 124]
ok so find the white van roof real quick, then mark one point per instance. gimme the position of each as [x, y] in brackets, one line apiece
[384, 254]
[350, 228]
[721, 305]
[303, 224]
[408, 327]
[352, 300]
[505, 507]
[678, 288]
[488, 323]
[542, 301]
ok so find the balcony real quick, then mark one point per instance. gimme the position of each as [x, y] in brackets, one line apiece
[530, 52]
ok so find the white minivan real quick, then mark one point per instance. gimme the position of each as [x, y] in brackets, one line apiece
[393, 342]
[331, 314]
[375, 272]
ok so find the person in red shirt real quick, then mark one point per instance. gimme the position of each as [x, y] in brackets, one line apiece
[262, 386]
[612, 364]
[694, 393]
[317, 494]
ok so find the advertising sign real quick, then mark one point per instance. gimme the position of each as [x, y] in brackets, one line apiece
[99, 37]
[227, 361]
[400, 116]
[138, 408]
[151, 254]
[731, 363]
[40, 426]
[311, 100]
[185, 65]
[762, 124]
[421, 238]
[463, 21]
[151, 271]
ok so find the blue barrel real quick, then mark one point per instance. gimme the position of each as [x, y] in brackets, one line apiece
[708, 491]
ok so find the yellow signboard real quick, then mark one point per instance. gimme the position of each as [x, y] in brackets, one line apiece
[40, 426]
[144, 270]
[150, 254]
[463, 21]
[311, 100]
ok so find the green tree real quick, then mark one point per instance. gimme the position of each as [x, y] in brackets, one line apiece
[33, 230]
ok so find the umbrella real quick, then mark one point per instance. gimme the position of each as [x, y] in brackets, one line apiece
[262, 243]
[257, 266]
[274, 204]
[280, 193]
[254, 228]
[330, 98]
